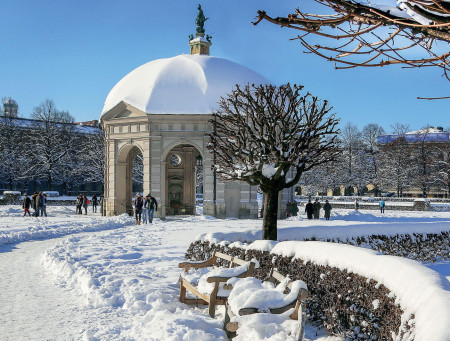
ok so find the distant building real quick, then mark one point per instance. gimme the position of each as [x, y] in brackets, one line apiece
[10, 108]
[430, 134]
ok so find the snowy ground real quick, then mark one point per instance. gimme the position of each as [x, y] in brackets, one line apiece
[84, 277]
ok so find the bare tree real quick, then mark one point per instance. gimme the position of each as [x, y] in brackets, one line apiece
[53, 138]
[370, 134]
[425, 168]
[351, 146]
[394, 165]
[12, 146]
[268, 136]
[354, 34]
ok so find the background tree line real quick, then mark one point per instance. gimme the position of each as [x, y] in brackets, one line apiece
[49, 149]
[408, 161]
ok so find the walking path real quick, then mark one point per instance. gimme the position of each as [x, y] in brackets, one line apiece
[31, 306]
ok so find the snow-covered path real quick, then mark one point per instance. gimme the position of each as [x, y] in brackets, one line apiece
[31, 306]
[93, 278]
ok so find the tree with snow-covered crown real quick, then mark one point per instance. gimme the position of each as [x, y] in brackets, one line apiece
[268, 136]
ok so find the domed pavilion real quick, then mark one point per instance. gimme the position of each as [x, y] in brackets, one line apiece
[161, 110]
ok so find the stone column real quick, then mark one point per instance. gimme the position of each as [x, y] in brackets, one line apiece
[157, 175]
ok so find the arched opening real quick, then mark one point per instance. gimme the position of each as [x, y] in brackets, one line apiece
[184, 180]
[138, 174]
[129, 178]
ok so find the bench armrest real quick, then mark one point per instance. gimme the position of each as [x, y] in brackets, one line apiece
[197, 265]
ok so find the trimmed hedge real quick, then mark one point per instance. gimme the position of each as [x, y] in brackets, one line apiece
[429, 247]
[343, 303]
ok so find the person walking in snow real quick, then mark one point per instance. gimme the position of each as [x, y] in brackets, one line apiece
[309, 209]
[26, 204]
[327, 209]
[138, 205]
[316, 208]
[152, 207]
[34, 204]
[79, 204]
[382, 205]
[356, 205]
[44, 205]
[145, 211]
[85, 204]
[40, 204]
[94, 203]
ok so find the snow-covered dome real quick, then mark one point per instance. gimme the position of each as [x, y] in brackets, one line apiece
[185, 84]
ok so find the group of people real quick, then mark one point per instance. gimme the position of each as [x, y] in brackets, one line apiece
[313, 209]
[38, 202]
[144, 208]
[83, 202]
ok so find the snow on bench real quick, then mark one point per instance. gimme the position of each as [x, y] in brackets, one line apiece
[252, 296]
[203, 279]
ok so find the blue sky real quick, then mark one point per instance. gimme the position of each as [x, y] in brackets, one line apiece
[74, 52]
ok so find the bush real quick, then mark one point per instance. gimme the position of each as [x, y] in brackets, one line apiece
[342, 302]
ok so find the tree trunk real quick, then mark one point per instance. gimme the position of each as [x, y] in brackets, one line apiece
[270, 214]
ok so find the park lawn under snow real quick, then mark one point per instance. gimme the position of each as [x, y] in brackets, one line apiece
[125, 277]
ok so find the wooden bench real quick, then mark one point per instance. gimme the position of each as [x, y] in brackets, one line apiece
[298, 304]
[240, 268]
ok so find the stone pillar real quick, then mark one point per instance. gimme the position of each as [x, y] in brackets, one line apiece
[146, 155]
[110, 175]
[189, 176]
[157, 175]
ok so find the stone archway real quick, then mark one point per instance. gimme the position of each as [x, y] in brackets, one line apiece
[181, 162]
[124, 179]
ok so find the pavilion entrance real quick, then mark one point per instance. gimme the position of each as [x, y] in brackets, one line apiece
[184, 170]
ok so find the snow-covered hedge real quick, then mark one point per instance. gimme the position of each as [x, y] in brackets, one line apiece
[354, 291]
[429, 247]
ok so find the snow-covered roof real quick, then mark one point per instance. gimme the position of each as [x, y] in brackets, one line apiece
[185, 84]
[25, 123]
[427, 135]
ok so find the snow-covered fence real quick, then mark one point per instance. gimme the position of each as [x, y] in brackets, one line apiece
[354, 291]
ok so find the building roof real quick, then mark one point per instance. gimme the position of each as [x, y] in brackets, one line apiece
[26, 123]
[429, 134]
[185, 84]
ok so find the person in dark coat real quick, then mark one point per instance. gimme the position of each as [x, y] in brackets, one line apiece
[94, 203]
[138, 205]
[79, 204]
[44, 205]
[85, 204]
[152, 207]
[327, 209]
[39, 204]
[26, 205]
[34, 204]
[309, 209]
[316, 208]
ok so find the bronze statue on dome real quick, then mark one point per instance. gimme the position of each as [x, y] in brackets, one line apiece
[200, 21]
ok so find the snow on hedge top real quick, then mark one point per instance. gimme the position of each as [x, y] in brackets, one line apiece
[185, 84]
[418, 289]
